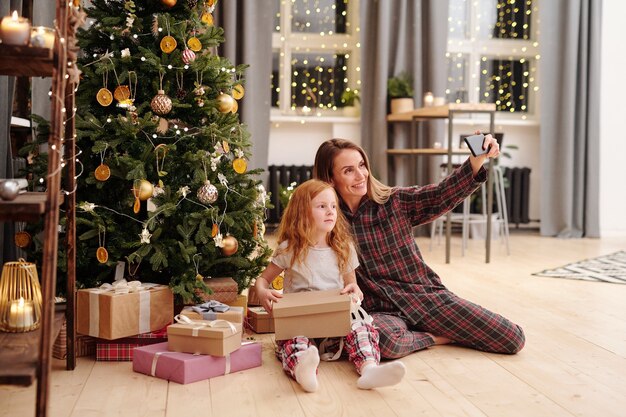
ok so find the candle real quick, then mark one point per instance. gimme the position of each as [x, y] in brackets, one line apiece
[21, 316]
[428, 99]
[42, 37]
[14, 30]
[439, 101]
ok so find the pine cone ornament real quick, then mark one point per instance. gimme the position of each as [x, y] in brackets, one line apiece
[161, 104]
[188, 56]
[207, 194]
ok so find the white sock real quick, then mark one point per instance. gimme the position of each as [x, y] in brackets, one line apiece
[306, 369]
[376, 376]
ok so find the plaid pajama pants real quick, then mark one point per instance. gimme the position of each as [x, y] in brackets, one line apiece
[462, 321]
[361, 344]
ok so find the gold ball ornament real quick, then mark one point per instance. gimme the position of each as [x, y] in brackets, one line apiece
[161, 104]
[225, 103]
[238, 91]
[169, 3]
[143, 189]
[104, 97]
[230, 246]
[168, 44]
[240, 165]
[207, 194]
[235, 107]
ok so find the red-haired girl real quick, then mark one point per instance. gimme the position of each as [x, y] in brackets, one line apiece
[317, 253]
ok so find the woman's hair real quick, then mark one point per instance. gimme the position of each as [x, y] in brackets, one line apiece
[325, 164]
[297, 224]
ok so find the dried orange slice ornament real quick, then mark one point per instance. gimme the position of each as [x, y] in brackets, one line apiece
[121, 93]
[22, 239]
[102, 255]
[102, 172]
[238, 91]
[207, 18]
[194, 44]
[278, 283]
[168, 44]
[240, 165]
[104, 97]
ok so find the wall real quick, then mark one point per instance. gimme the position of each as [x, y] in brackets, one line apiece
[612, 135]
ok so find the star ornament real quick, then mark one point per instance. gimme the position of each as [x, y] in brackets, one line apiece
[145, 236]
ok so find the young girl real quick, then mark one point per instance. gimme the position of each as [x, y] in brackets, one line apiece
[317, 253]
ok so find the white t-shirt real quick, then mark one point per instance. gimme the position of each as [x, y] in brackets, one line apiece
[319, 272]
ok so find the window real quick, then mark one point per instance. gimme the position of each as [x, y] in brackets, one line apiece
[492, 54]
[315, 55]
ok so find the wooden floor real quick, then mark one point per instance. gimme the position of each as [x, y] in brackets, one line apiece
[574, 362]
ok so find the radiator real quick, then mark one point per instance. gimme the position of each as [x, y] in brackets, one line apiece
[284, 175]
[517, 194]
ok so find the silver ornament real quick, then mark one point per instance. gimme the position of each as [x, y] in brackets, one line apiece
[9, 189]
[207, 194]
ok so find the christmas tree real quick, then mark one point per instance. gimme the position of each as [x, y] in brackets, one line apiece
[165, 187]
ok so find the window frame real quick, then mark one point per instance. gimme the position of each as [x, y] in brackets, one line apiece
[286, 43]
[476, 48]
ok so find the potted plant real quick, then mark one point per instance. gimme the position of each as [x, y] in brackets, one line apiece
[349, 99]
[400, 91]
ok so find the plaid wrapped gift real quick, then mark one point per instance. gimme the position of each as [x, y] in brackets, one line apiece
[223, 290]
[121, 350]
[85, 345]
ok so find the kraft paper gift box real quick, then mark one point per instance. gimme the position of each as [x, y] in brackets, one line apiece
[260, 320]
[223, 289]
[240, 301]
[122, 349]
[214, 310]
[110, 313]
[312, 314]
[217, 337]
[185, 368]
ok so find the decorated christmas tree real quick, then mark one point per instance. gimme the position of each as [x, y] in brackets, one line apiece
[165, 187]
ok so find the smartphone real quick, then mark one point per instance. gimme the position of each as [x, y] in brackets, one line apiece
[475, 144]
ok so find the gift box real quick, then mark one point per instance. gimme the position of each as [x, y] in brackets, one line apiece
[312, 314]
[260, 320]
[217, 337]
[122, 349]
[223, 290]
[84, 345]
[184, 368]
[240, 301]
[110, 314]
[214, 310]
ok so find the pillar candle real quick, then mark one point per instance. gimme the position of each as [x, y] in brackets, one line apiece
[21, 314]
[428, 99]
[14, 30]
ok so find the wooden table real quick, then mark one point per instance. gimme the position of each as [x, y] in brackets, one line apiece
[447, 111]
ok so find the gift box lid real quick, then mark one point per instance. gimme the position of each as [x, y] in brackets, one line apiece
[211, 329]
[259, 311]
[311, 302]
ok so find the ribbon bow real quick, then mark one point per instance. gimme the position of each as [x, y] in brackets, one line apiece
[197, 325]
[124, 287]
[211, 306]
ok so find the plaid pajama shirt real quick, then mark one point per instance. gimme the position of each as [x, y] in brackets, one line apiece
[405, 296]
[361, 344]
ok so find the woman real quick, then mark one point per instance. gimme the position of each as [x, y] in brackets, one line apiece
[412, 309]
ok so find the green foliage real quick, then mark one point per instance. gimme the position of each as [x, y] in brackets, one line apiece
[400, 86]
[284, 193]
[350, 97]
[200, 143]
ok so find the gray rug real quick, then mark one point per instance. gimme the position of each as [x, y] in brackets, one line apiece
[608, 268]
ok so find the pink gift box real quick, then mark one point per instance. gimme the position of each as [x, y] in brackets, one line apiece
[184, 368]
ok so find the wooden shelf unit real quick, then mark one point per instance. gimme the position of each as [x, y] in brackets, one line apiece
[25, 357]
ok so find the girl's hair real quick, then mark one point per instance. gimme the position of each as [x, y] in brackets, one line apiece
[325, 164]
[297, 224]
